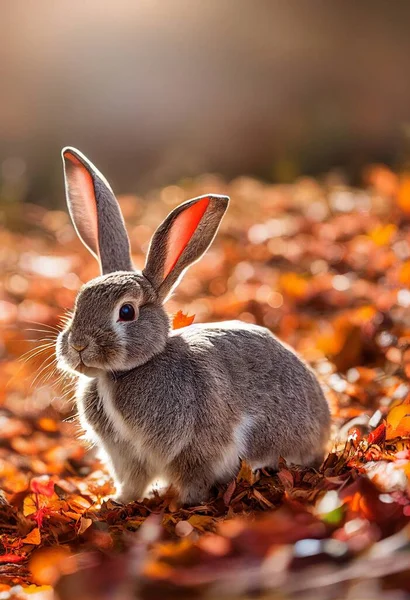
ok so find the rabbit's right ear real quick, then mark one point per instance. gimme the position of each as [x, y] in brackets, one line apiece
[181, 240]
[95, 213]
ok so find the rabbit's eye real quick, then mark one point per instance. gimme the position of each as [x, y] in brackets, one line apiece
[127, 312]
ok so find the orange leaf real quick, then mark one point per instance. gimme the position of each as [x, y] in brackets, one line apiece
[182, 320]
[33, 537]
[382, 235]
[293, 285]
[398, 421]
[382, 179]
[404, 274]
[403, 194]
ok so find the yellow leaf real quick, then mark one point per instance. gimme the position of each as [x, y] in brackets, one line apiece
[29, 506]
[34, 537]
[398, 421]
[182, 320]
[38, 589]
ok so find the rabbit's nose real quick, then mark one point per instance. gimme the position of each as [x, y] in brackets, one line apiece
[78, 345]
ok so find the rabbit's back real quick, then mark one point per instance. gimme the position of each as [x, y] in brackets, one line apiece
[275, 397]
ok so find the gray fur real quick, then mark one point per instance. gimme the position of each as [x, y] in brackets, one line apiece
[186, 405]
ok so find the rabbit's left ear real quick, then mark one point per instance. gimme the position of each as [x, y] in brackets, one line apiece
[95, 213]
[182, 239]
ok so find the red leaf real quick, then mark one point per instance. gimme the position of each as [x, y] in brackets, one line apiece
[42, 486]
[11, 558]
[377, 436]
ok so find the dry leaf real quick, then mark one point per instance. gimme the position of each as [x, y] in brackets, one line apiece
[34, 537]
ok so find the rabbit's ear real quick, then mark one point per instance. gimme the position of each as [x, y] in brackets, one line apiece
[95, 213]
[182, 239]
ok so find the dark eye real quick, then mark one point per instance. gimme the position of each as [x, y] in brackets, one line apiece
[127, 312]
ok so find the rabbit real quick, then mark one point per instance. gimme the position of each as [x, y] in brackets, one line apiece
[182, 405]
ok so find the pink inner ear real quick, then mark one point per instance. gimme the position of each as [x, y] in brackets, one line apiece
[181, 232]
[83, 202]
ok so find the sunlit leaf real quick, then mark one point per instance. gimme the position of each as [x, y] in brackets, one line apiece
[398, 421]
[182, 320]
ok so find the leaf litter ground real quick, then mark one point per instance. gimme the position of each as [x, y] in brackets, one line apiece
[325, 267]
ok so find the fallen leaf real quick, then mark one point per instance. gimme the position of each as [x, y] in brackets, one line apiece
[11, 558]
[42, 485]
[34, 537]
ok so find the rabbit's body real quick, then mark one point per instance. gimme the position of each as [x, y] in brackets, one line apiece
[182, 405]
[229, 390]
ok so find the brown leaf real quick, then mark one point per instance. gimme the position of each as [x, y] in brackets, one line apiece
[202, 522]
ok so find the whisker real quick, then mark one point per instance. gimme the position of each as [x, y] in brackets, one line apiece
[44, 339]
[51, 373]
[27, 356]
[30, 354]
[50, 327]
[47, 363]
[66, 317]
[40, 330]
[45, 366]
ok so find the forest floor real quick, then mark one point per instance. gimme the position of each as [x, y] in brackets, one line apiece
[327, 269]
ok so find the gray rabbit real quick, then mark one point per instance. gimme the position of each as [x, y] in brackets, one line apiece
[186, 405]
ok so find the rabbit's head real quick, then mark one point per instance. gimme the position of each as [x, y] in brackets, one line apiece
[119, 322]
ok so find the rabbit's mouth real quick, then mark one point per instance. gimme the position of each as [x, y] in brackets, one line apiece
[87, 370]
[79, 365]
[76, 361]
[90, 365]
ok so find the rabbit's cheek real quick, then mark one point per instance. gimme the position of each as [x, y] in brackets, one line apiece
[65, 360]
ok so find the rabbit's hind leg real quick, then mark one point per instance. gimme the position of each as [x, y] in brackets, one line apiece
[313, 459]
[194, 479]
[268, 462]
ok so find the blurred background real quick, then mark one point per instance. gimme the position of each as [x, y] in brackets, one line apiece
[299, 110]
[157, 91]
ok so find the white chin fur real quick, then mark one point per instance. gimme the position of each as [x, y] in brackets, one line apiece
[92, 369]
